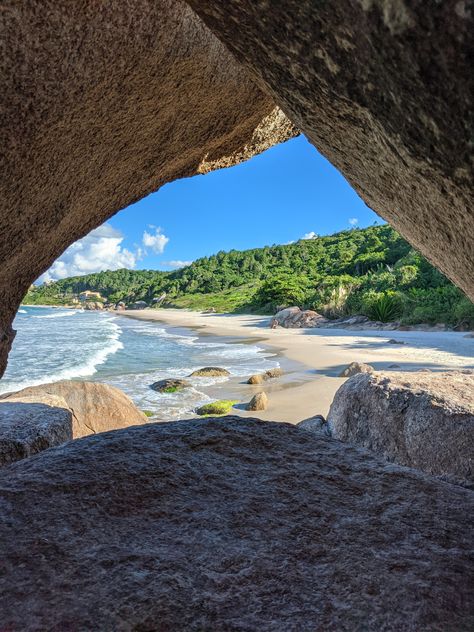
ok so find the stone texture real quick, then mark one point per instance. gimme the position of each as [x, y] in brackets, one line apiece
[95, 407]
[28, 428]
[383, 88]
[258, 402]
[230, 525]
[356, 367]
[423, 420]
[255, 379]
[101, 104]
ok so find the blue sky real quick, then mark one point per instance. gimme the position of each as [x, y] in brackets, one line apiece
[280, 196]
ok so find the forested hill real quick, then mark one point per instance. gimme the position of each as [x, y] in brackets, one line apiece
[372, 271]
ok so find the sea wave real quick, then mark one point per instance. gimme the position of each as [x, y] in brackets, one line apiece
[99, 355]
[58, 315]
[22, 311]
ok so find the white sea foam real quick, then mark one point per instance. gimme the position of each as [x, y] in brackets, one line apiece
[58, 315]
[22, 311]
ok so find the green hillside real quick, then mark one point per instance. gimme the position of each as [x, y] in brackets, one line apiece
[372, 271]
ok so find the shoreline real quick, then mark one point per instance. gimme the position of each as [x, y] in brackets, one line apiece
[313, 358]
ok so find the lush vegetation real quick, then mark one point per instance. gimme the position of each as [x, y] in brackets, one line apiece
[372, 271]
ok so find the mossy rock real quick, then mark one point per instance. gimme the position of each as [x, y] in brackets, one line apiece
[219, 407]
[210, 371]
[170, 385]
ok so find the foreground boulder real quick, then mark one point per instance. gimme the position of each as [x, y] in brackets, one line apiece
[230, 524]
[423, 420]
[28, 428]
[95, 407]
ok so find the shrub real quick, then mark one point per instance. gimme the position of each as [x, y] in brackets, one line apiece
[382, 306]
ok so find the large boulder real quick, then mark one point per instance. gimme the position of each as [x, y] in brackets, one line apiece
[423, 420]
[294, 317]
[29, 427]
[95, 407]
[103, 103]
[230, 524]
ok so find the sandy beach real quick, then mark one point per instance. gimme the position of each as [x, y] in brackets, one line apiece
[313, 358]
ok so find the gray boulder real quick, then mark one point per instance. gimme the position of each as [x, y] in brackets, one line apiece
[423, 420]
[230, 524]
[27, 428]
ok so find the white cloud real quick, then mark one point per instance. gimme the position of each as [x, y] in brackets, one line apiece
[155, 240]
[177, 263]
[100, 250]
[311, 235]
[353, 221]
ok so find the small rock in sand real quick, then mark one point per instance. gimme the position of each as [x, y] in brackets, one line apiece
[255, 379]
[392, 341]
[258, 402]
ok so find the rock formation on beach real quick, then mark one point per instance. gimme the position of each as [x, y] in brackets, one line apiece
[418, 419]
[101, 105]
[230, 524]
[95, 407]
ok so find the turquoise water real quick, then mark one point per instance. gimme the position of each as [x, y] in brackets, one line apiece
[56, 344]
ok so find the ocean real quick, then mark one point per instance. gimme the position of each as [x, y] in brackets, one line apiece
[58, 344]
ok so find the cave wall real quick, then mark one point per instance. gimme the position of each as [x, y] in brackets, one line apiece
[383, 88]
[101, 104]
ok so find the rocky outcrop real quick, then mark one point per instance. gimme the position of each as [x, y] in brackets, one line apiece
[210, 371]
[230, 524]
[95, 407]
[101, 105]
[384, 90]
[423, 420]
[169, 385]
[356, 367]
[294, 317]
[29, 427]
[258, 402]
